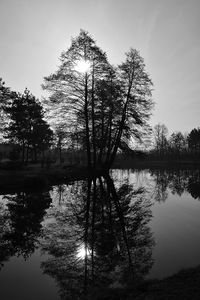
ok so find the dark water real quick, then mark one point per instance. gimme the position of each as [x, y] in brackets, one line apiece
[80, 238]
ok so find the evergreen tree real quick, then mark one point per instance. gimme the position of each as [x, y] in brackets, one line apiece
[194, 141]
[27, 126]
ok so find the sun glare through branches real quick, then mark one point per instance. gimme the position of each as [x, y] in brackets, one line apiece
[82, 66]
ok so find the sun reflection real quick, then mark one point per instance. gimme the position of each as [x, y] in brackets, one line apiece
[82, 66]
[82, 251]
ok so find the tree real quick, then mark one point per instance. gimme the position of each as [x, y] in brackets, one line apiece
[136, 96]
[102, 104]
[27, 127]
[160, 137]
[5, 96]
[177, 143]
[60, 138]
[194, 141]
[72, 88]
[41, 137]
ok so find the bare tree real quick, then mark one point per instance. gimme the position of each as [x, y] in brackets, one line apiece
[160, 137]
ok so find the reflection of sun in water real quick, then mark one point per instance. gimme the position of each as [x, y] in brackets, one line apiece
[82, 251]
[82, 66]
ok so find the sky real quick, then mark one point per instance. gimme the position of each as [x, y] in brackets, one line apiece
[166, 32]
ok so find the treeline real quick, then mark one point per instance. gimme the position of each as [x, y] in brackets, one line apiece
[22, 123]
[176, 146]
[93, 107]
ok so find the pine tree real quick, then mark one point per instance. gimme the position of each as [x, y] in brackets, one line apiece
[27, 126]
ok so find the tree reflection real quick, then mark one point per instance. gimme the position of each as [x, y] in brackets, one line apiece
[194, 185]
[177, 181]
[98, 237]
[20, 222]
[161, 184]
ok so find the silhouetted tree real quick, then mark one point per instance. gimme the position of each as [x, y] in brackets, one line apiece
[26, 125]
[60, 139]
[194, 141]
[5, 97]
[72, 88]
[160, 137]
[177, 144]
[100, 103]
[136, 107]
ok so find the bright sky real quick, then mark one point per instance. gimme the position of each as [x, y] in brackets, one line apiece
[33, 33]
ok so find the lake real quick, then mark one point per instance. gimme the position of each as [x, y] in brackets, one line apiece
[78, 238]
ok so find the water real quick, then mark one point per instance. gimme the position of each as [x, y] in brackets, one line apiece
[80, 237]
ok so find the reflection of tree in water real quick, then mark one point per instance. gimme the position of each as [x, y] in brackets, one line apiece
[194, 185]
[178, 181]
[20, 222]
[98, 238]
[161, 184]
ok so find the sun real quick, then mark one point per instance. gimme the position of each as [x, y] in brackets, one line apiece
[82, 66]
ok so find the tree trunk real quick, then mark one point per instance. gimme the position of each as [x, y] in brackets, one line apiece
[87, 123]
[93, 121]
[35, 154]
[60, 154]
[23, 151]
[27, 153]
[121, 125]
[118, 138]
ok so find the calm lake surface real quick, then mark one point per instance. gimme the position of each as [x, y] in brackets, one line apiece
[63, 243]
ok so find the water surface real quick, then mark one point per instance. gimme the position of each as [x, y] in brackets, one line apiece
[77, 238]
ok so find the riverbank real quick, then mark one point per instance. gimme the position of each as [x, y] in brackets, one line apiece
[33, 177]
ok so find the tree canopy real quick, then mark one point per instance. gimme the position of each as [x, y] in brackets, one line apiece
[100, 103]
[25, 124]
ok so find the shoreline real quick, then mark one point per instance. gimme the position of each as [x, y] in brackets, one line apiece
[34, 177]
[156, 164]
[37, 178]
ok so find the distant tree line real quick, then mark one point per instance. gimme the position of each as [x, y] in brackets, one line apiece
[177, 145]
[22, 122]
